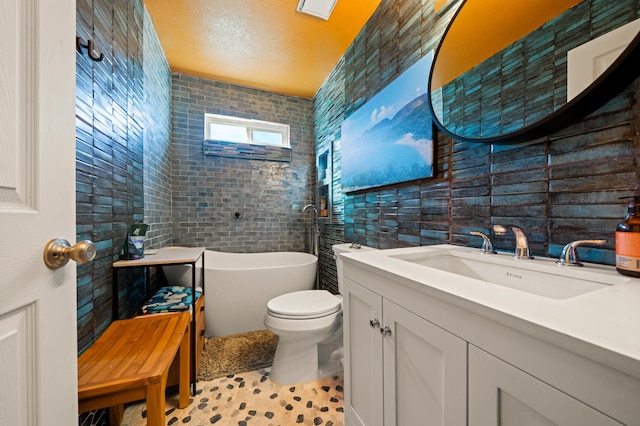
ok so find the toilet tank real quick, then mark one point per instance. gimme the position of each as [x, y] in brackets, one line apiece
[340, 249]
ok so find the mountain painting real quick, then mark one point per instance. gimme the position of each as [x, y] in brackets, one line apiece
[390, 138]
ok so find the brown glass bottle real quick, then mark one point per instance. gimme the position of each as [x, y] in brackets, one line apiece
[628, 242]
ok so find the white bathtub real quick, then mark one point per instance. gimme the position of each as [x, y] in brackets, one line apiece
[239, 285]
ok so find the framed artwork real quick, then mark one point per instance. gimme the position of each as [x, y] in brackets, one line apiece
[390, 138]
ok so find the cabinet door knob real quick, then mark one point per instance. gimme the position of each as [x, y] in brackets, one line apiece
[386, 331]
[374, 323]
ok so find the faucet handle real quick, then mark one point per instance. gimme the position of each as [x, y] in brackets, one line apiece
[569, 255]
[487, 246]
[522, 251]
[499, 230]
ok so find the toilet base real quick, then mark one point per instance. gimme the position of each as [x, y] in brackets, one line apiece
[331, 367]
[298, 362]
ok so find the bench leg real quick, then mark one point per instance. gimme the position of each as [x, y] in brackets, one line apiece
[116, 414]
[155, 404]
[184, 378]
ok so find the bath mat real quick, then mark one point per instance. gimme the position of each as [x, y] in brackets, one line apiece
[237, 353]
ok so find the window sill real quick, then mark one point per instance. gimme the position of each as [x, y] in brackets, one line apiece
[246, 151]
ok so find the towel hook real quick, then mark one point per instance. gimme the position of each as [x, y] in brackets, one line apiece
[90, 49]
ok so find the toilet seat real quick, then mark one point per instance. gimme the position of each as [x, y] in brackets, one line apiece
[301, 305]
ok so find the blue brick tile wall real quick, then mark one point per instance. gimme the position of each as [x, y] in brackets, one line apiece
[157, 141]
[327, 116]
[561, 187]
[209, 190]
[122, 152]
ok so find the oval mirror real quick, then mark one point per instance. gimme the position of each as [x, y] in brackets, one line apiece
[506, 72]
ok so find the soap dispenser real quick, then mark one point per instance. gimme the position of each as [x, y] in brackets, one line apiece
[628, 241]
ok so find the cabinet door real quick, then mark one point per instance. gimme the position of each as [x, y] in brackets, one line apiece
[500, 394]
[363, 403]
[425, 372]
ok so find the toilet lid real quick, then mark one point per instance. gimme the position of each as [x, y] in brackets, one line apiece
[304, 304]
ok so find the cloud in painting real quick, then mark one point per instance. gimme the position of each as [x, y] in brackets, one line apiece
[382, 112]
[423, 146]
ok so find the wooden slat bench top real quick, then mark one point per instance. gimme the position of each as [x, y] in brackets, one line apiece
[131, 360]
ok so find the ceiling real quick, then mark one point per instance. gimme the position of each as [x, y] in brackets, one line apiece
[263, 44]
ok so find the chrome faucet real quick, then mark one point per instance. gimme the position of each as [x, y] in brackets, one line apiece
[569, 256]
[487, 246]
[522, 244]
[310, 206]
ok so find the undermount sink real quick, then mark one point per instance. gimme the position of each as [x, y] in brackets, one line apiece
[540, 276]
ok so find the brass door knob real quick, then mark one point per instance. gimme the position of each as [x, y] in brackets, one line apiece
[58, 251]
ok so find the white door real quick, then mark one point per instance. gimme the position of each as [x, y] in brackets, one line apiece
[38, 348]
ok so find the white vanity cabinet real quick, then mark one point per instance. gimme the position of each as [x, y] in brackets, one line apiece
[400, 369]
[449, 361]
[501, 394]
[363, 385]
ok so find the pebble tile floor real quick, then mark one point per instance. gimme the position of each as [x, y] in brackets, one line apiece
[252, 399]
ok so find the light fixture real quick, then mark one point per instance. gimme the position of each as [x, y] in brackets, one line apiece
[318, 8]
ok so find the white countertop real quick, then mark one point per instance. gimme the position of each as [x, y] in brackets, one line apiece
[165, 256]
[603, 325]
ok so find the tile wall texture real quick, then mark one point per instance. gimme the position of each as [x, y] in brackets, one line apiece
[558, 188]
[121, 152]
[236, 204]
[157, 141]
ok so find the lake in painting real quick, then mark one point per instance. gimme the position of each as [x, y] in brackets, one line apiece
[390, 138]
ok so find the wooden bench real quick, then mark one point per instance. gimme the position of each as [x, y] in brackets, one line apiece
[165, 301]
[131, 361]
[173, 256]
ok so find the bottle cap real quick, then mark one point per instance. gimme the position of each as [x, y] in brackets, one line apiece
[634, 206]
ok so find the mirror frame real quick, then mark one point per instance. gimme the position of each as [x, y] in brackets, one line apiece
[622, 72]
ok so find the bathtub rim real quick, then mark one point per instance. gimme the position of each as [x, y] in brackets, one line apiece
[308, 258]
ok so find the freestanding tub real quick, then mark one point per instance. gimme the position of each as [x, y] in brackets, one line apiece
[239, 285]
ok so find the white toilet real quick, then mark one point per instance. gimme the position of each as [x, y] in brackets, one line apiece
[309, 328]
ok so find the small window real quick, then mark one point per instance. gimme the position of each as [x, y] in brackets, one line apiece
[239, 130]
